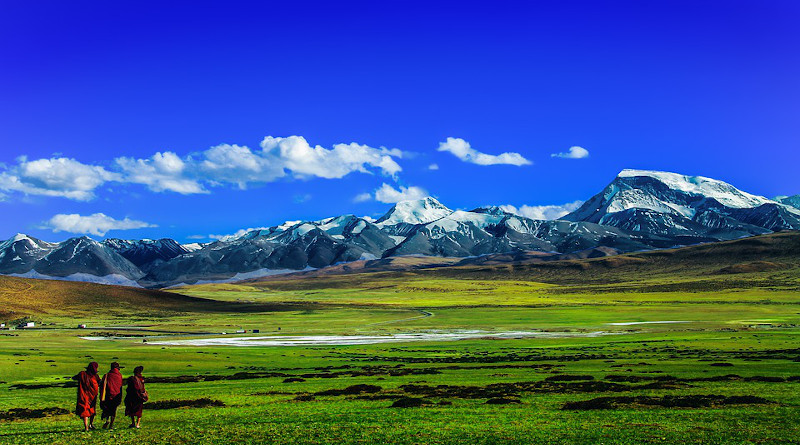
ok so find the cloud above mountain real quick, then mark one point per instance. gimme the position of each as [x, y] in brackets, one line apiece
[546, 212]
[574, 152]
[196, 173]
[463, 150]
[96, 224]
[390, 195]
[57, 176]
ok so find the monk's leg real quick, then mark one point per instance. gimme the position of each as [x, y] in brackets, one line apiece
[91, 422]
[111, 422]
[138, 422]
[133, 422]
[85, 423]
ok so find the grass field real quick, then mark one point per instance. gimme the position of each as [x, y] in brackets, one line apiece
[729, 372]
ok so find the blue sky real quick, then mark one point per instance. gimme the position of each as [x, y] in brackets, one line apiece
[114, 107]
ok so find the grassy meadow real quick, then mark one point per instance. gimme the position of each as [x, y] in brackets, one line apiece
[726, 370]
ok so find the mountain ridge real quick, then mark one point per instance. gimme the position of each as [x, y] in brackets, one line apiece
[638, 210]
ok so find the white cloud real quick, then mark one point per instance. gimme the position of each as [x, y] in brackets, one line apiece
[241, 232]
[574, 152]
[235, 164]
[63, 177]
[543, 212]
[295, 154]
[161, 172]
[362, 197]
[389, 195]
[97, 224]
[220, 165]
[433, 167]
[462, 150]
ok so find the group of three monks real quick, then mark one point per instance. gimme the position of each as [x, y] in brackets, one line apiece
[109, 392]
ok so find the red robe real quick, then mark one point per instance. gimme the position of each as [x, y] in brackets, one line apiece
[111, 395]
[135, 396]
[88, 387]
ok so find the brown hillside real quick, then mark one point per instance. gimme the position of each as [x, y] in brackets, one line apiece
[24, 296]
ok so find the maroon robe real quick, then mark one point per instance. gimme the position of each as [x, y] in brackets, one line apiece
[111, 395]
[135, 396]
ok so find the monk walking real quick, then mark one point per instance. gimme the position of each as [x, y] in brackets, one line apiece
[111, 395]
[88, 387]
[135, 396]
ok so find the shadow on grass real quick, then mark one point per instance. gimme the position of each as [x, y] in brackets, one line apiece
[39, 433]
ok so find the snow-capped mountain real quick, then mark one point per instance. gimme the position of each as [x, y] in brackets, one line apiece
[78, 255]
[191, 247]
[145, 253]
[492, 230]
[404, 215]
[638, 210]
[20, 253]
[793, 201]
[82, 259]
[294, 245]
[669, 204]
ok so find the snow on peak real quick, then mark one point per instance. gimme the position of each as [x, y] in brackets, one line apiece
[20, 237]
[191, 247]
[420, 211]
[460, 221]
[723, 192]
[335, 225]
[14, 239]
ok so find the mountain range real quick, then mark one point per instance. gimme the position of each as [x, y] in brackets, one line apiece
[638, 210]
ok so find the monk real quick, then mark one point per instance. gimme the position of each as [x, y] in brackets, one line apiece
[135, 396]
[111, 395]
[88, 387]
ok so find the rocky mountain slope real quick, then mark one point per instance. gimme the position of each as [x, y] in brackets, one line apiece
[673, 205]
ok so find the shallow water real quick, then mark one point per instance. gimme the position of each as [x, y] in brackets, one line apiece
[631, 323]
[321, 340]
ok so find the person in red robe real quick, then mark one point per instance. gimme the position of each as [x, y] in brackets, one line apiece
[111, 395]
[135, 396]
[88, 387]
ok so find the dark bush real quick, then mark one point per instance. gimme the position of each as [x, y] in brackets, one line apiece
[172, 404]
[409, 402]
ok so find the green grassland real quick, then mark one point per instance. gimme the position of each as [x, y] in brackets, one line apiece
[728, 373]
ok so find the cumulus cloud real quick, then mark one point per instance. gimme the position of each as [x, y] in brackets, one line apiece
[236, 164]
[462, 150]
[161, 172]
[224, 164]
[543, 212]
[389, 195]
[433, 167]
[574, 152]
[63, 177]
[297, 155]
[96, 224]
